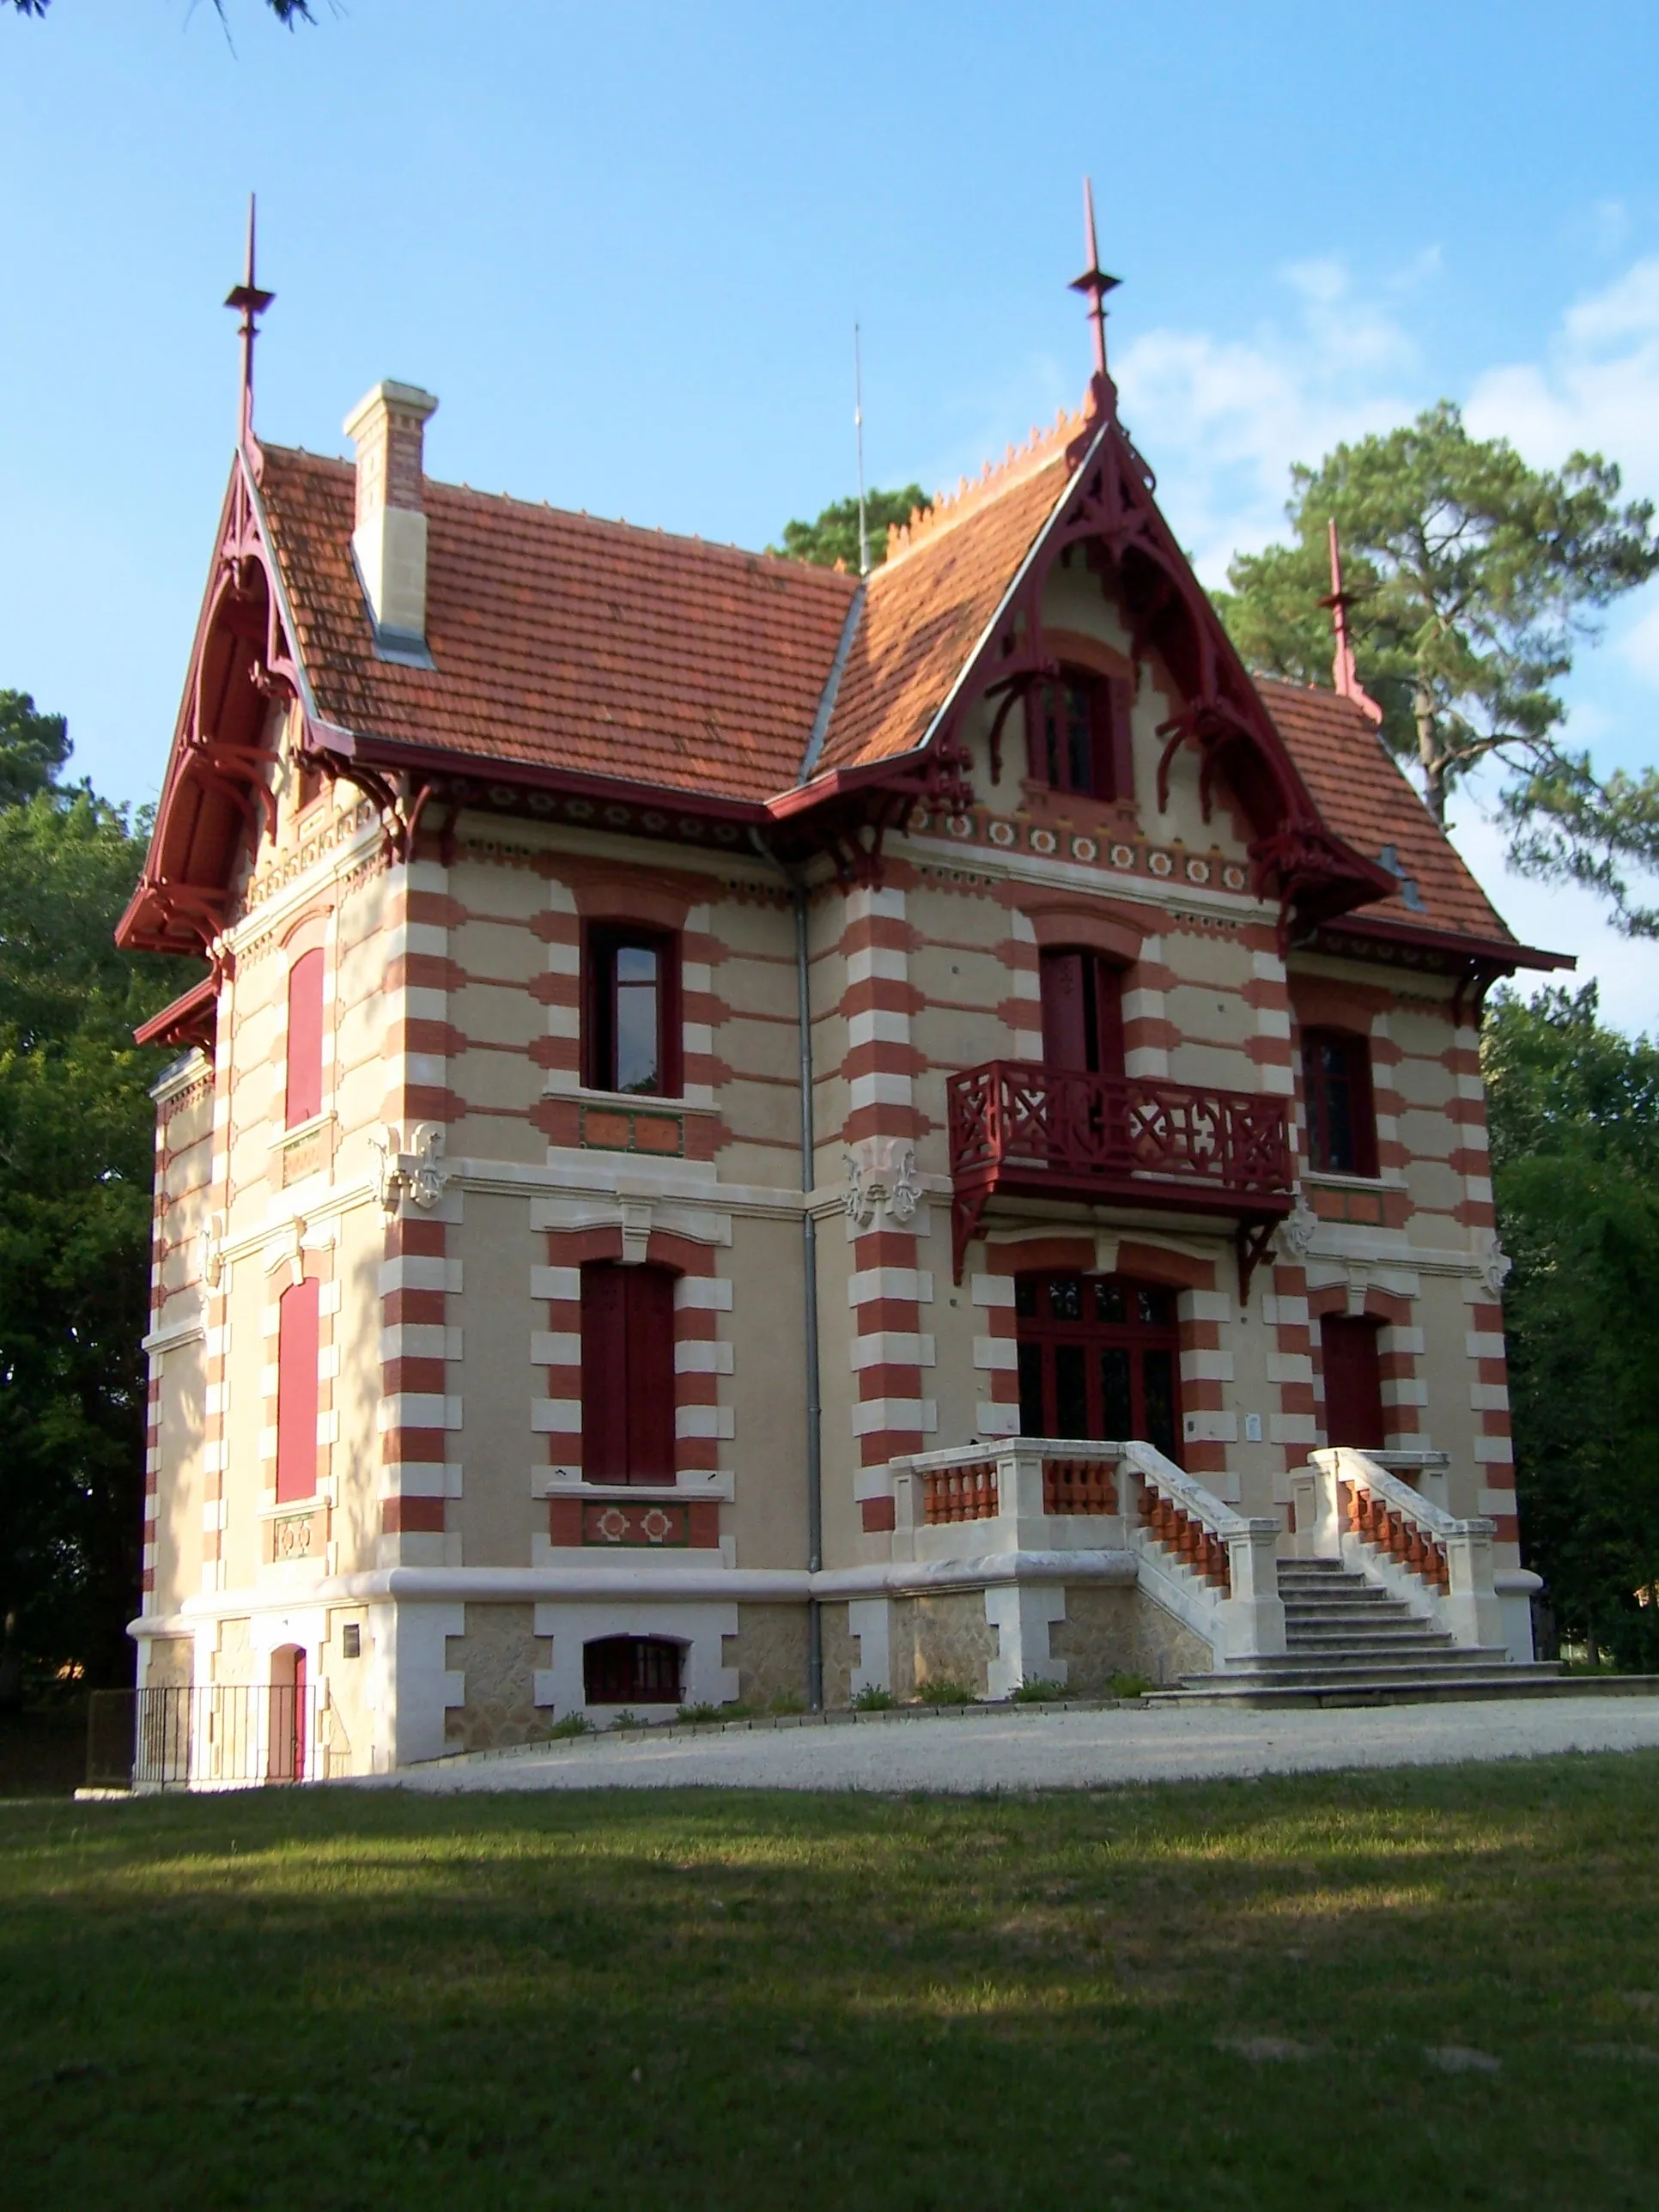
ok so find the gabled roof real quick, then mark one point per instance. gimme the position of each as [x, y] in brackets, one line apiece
[575, 653]
[560, 640]
[1362, 793]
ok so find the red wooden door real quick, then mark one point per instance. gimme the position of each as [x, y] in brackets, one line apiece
[1353, 1382]
[628, 1374]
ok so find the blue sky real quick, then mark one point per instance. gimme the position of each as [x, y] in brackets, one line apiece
[626, 245]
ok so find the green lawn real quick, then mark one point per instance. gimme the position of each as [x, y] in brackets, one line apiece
[1199, 1996]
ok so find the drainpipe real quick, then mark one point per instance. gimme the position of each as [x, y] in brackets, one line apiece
[810, 1279]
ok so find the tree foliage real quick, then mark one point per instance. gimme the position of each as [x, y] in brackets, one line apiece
[1473, 578]
[1575, 1135]
[834, 535]
[289, 12]
[76, 1166]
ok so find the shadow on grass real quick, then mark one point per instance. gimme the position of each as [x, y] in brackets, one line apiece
[1223, 1993]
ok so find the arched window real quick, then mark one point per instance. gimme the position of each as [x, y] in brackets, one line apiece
[628, 1374]
[631, 1029]
[1352, 1369]
[1336, 1092]
[1082, 1012]
[1099, 1357]
[1079, 735]
[633, 1670]
[296, 1391]
[304, 1097]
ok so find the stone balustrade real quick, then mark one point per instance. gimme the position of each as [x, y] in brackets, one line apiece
[1346, 1505]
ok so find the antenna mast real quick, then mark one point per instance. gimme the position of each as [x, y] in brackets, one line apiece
[858, 431]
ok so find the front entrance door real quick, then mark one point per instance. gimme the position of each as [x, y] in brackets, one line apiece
[1098, 1358]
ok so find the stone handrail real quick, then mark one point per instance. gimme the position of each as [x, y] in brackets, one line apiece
[1349, 1507]
[1231, 1557]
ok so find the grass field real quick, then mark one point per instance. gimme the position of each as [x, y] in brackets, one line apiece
[1423, 1988]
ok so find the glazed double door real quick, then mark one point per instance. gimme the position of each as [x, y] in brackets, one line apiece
[1099, 1357]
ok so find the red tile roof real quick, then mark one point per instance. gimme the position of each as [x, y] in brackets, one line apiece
[1364, 796]
[563, 641]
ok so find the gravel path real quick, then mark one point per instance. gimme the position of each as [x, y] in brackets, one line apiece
[1029, 1748]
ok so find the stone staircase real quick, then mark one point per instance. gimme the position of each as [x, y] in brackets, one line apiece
[1351, 1644]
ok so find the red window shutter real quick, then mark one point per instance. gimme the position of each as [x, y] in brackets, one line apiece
[605, 1374]
[1116, 773]
[305, 1038]
[650, 1375]
[1362, 1107]
[296, 1392]
[1109, 1018]
[1353, 1382]
[1064, 977]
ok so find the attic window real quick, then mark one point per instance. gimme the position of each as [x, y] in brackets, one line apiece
[1078, 736]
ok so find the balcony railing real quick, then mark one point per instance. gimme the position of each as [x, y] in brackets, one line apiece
[1018, 1125]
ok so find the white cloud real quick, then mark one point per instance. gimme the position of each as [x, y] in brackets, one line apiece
[1223, 419]
[1596, 390]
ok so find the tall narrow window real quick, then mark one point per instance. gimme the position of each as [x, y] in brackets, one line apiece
[1353, 1382]
[1336, 1090]
[1082, 1013]
[304, 1097]
[1079, 736]
[296, 1392]
[628, 1374]
[631, 1033]
[1099, 1357]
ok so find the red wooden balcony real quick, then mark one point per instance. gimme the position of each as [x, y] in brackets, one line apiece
[1036, 1132]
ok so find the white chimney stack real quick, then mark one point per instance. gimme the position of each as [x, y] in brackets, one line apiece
[387, 427]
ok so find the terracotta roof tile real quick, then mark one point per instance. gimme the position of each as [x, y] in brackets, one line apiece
[929, 604]
[1364, 796]
[561, 640]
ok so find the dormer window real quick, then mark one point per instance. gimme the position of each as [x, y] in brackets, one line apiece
[1079, 730]
[1336, 1091]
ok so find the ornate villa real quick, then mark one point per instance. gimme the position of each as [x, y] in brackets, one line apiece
[751, 1134]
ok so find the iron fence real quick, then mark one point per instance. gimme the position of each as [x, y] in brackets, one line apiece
[202, 1736]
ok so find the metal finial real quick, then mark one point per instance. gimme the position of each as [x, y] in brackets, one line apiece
[250, 303]
[1094, 283]
[1345, 673]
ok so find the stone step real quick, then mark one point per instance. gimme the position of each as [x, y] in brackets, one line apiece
[1509, 1680]
[1280, 1666]
[1323, 1632]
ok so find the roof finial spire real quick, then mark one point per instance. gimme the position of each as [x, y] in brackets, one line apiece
[1344, 673]
[251, 303]
[1094, 283]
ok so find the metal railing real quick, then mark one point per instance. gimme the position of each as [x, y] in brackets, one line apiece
[201, 1736]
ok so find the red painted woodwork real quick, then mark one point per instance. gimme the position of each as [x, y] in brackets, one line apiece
[1055, 1132]
[305, 1038]
[297, 1720]
[629, 1670]
[1082, 1013]
[1077, 736]
[296, 1392]
[628, 1374]
[631, 1011]
[1336, 1090]
[1353, 1382]
[1099, 1355]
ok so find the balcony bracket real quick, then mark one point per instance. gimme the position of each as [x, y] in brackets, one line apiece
[1251, 1241]
[967, 1212]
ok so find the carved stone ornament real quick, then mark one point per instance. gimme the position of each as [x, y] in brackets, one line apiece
[1299, 1227]
[211, 1247]
[881, 1184]
[1495, 1266]
[411, 1165]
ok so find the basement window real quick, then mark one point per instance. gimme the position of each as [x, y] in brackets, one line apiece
[629, 1670]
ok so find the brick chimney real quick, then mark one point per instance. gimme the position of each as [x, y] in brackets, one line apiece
[387, 427]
